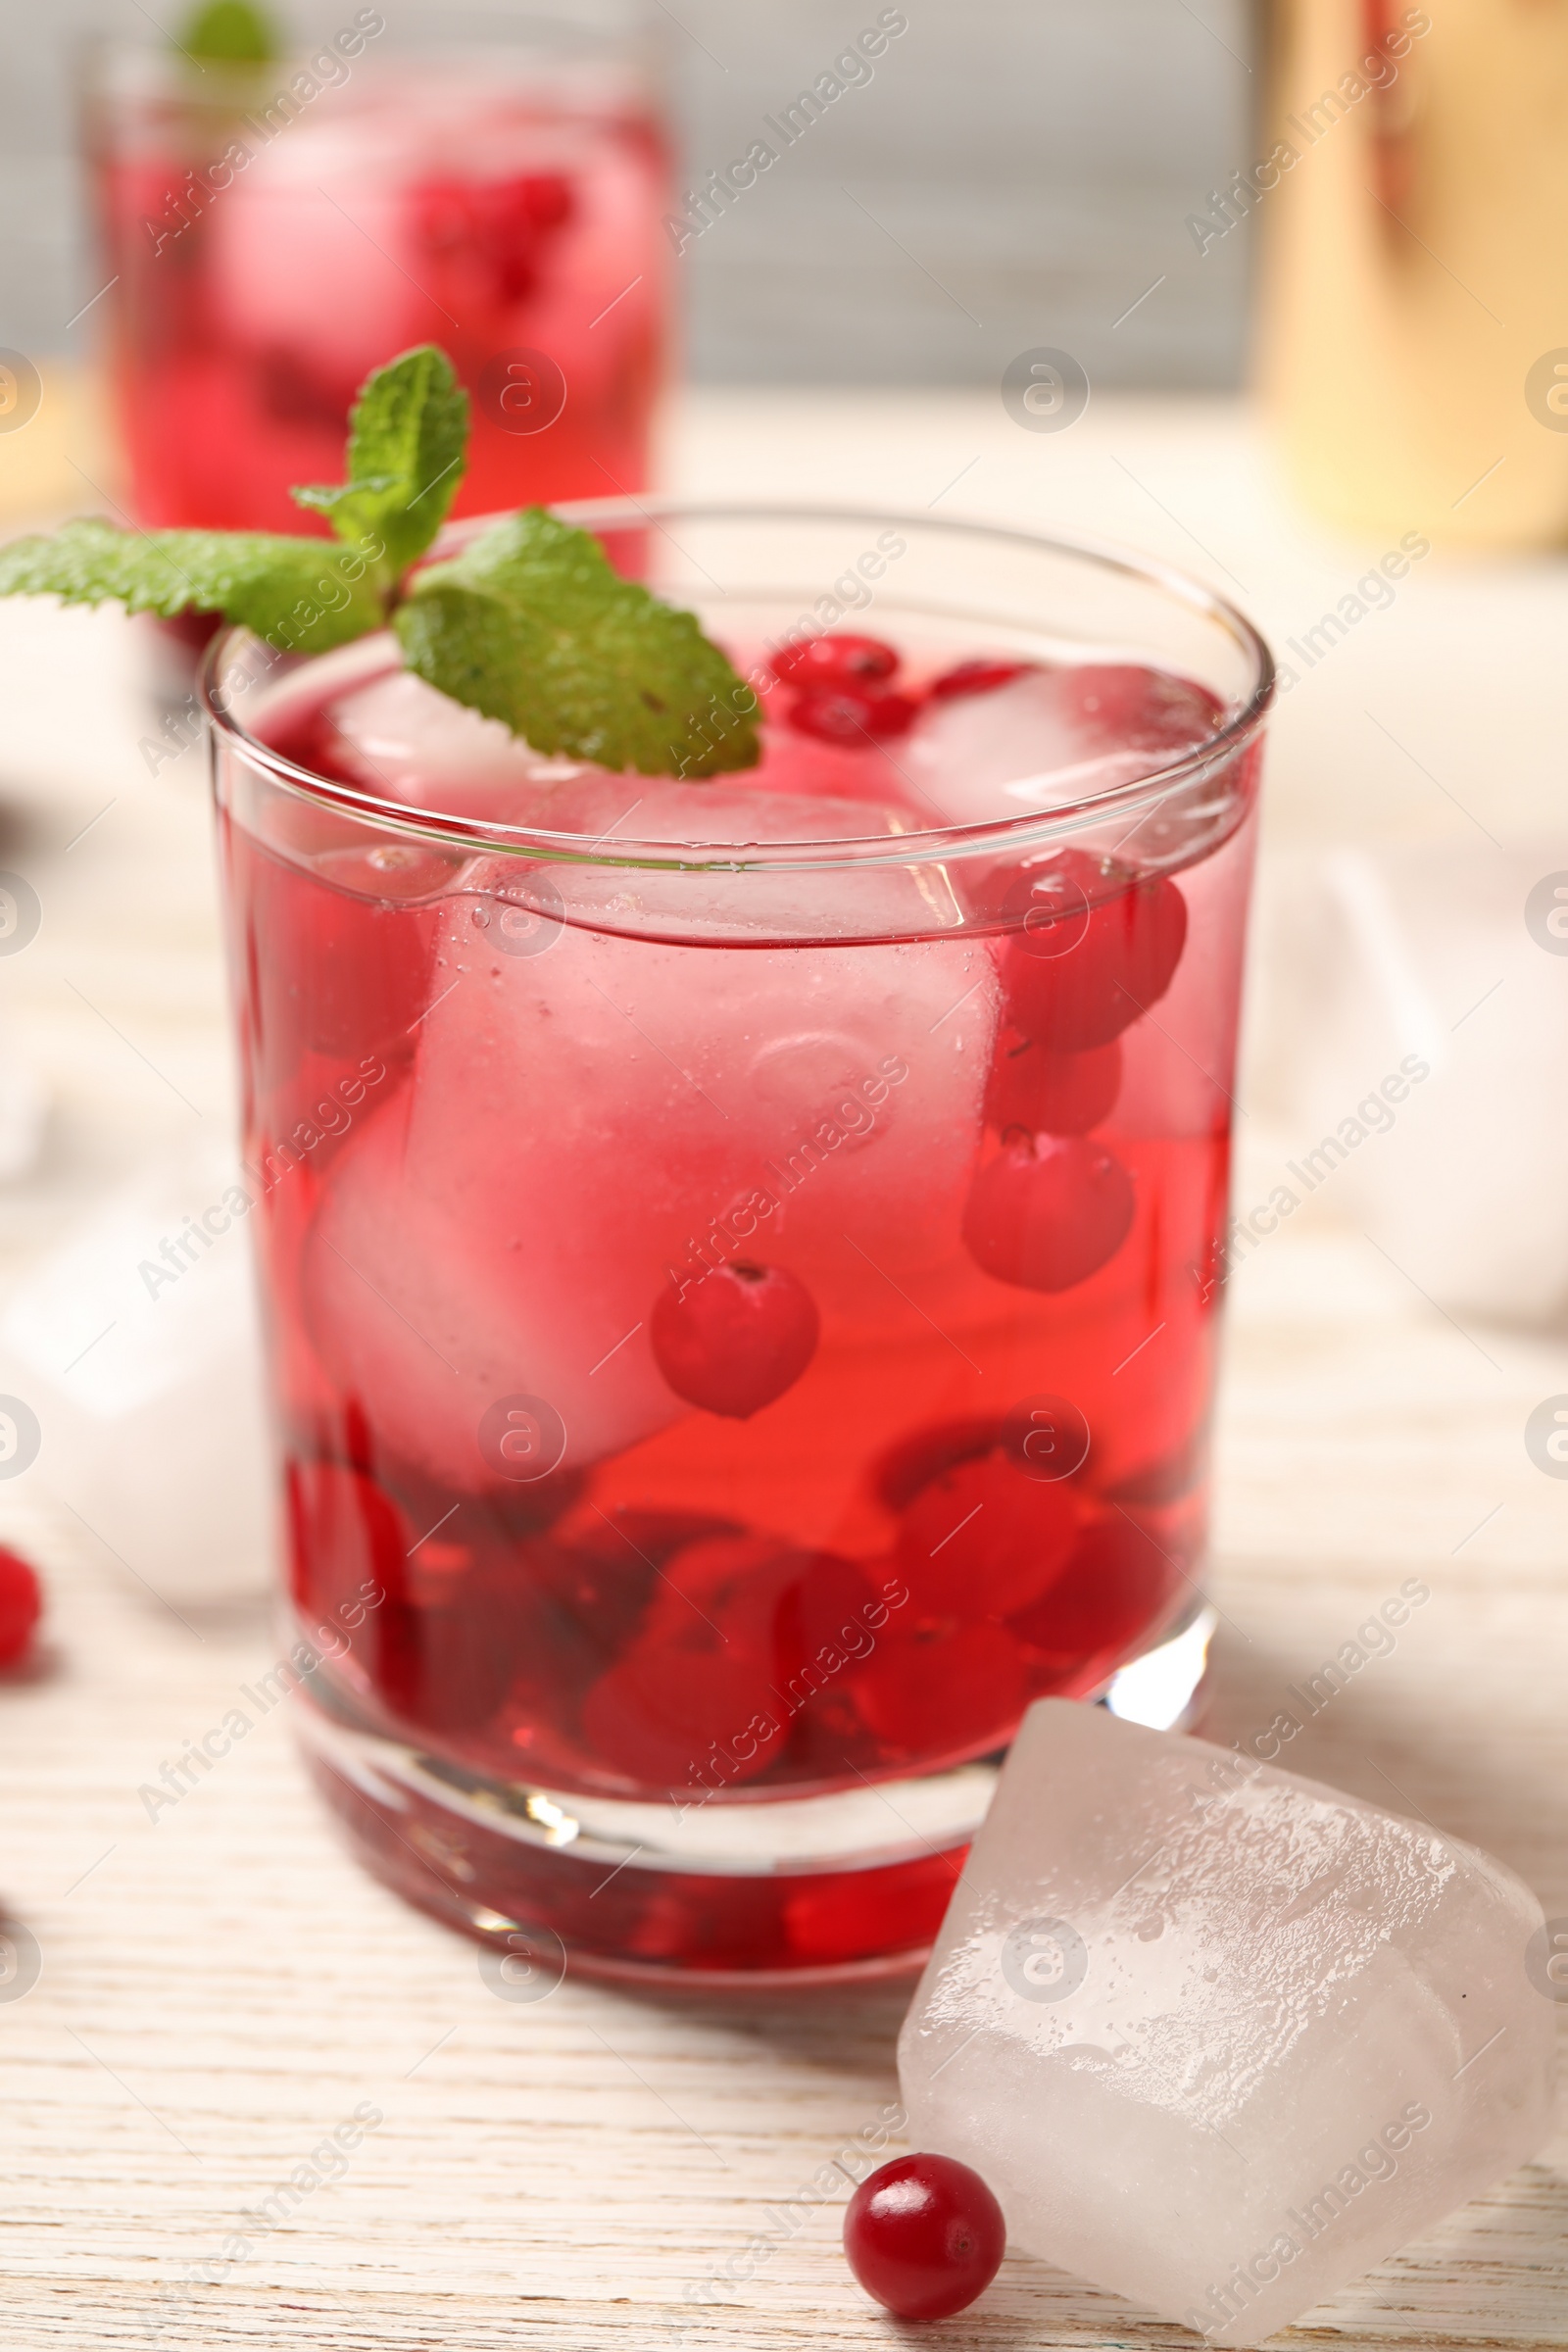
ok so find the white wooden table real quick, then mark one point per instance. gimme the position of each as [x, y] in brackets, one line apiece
[221, 1989]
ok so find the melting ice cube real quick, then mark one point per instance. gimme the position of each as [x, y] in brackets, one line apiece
[134, 1344]
[1050, 736]
[1222, 2038]
[596, 1114]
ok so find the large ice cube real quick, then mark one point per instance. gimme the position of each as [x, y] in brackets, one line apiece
[1222, 2038]
[1050, 736]
[596, 1113]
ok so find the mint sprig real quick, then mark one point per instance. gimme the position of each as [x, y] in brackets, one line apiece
[408, 437]
[230, 32]
[293, 592]
[530, 625]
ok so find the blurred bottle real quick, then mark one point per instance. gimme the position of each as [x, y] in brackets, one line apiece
[1415, 240]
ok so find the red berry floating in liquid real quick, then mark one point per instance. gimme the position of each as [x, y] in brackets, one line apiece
[844, 660]
[737, 1339]
[925, 2236]
[1090, 955]
[1048, 1212]
[851, 717]
[977, 676]
[20, 1603]
[984, 1537]
[1050, 1093]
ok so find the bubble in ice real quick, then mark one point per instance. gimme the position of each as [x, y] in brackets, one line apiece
[1222, 2038]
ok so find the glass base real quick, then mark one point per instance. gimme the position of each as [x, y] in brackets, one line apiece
[833, 1889]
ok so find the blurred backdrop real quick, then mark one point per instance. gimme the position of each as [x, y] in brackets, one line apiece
[1012, 175]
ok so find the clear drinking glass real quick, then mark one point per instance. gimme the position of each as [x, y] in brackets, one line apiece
[272, 233]
[615, 1641]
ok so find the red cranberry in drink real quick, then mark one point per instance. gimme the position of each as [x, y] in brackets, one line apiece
[983, 1538]
[925, 2236]
[915, 1460]
[941, 1688]
[842, 660]
[845, 714]
[1052, 1092]
[20, 1603]
[1048, 1212]
[737, 1339]
[1093, 951]
[976, 676]
[685, 1715]
[1116, 1583]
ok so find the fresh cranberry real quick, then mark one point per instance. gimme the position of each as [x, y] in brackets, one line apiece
[737, 1339]
[940, 1688]
[844, 660]
[925, 2236]
[1128, 708]
[20, 1603]
[1096, 949]
[1050, 1093]
[347, 1541]
[913, 1461]
[977, 676]
[768, 1599]
[983, 1538]
[695, 1713]
[1117, 1582]
[1048, 1212]
[848, 715]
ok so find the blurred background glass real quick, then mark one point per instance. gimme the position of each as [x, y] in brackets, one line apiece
[272, 229]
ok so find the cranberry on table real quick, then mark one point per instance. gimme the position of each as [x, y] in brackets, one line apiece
[841, 661]
[1048, 1212]
[925, 2236]
[20, 1603]
[846, 714]
[1049, 1092]
[1096, 949]
[737, 1339]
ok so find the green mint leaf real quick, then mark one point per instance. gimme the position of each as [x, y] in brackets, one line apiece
[230, 32]
[533, 625]
[301, 595]
[407, 436]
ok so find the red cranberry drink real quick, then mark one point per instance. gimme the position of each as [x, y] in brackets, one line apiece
[757, 1326]
[268, 247]
[737, 1110]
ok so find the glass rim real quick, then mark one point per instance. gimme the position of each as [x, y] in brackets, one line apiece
[925, 846]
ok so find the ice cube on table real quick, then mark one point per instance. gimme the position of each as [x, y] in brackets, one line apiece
[133, 1341]
[1410, 1035]
[1222, 2038]
[589, 1116]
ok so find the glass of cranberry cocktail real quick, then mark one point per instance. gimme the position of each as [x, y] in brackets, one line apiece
[273, 231]
[740, 1254]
